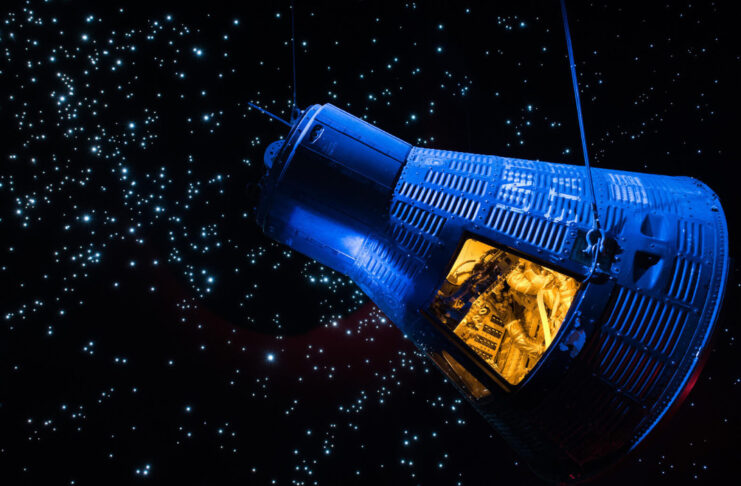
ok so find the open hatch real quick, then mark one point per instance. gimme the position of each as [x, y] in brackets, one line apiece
[504, 307]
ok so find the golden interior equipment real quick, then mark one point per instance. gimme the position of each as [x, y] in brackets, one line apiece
[506, 308]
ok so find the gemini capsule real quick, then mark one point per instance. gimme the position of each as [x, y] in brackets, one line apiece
[485, 263]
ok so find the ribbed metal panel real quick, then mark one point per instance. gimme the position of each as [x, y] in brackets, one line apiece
[382, 266]
[470, 185]
[685, 279]
[415, 242]
[533, 230]
[640, 371]
[470, 167]
[647, 321]
[444, 201]
[689, 237]
[613, 218]
[418, 218]
[661, 197]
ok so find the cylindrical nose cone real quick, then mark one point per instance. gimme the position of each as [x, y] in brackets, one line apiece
[330, 183]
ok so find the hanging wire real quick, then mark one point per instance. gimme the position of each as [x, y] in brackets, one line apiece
[295, 111]
[294, 107]
[594, 236]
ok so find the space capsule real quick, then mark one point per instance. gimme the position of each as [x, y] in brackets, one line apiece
[484, 263]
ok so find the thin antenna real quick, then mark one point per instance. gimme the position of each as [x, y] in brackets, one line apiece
[574, 81]
[266, 112]
[294, 108]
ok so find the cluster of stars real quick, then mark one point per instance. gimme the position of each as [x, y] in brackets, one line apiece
[149, 326]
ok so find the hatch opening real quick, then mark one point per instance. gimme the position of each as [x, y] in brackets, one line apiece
[504, 307]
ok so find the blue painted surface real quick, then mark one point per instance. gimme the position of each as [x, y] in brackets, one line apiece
[392, 217]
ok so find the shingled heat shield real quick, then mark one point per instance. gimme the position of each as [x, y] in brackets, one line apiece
[481, 261]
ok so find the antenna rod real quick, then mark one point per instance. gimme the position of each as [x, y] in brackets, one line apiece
[266, 112]
[294, 107]
[574, 81]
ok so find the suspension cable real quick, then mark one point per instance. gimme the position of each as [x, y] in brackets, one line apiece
[294, 106]
[572, 66]
[594, 237]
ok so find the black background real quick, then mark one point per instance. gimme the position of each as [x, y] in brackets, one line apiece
[178, 383]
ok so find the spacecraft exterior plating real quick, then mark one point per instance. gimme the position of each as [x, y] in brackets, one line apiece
[481, 261]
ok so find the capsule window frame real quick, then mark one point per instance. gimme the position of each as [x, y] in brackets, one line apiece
[487, 375]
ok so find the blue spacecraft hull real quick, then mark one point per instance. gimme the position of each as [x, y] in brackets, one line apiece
[394, 217]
